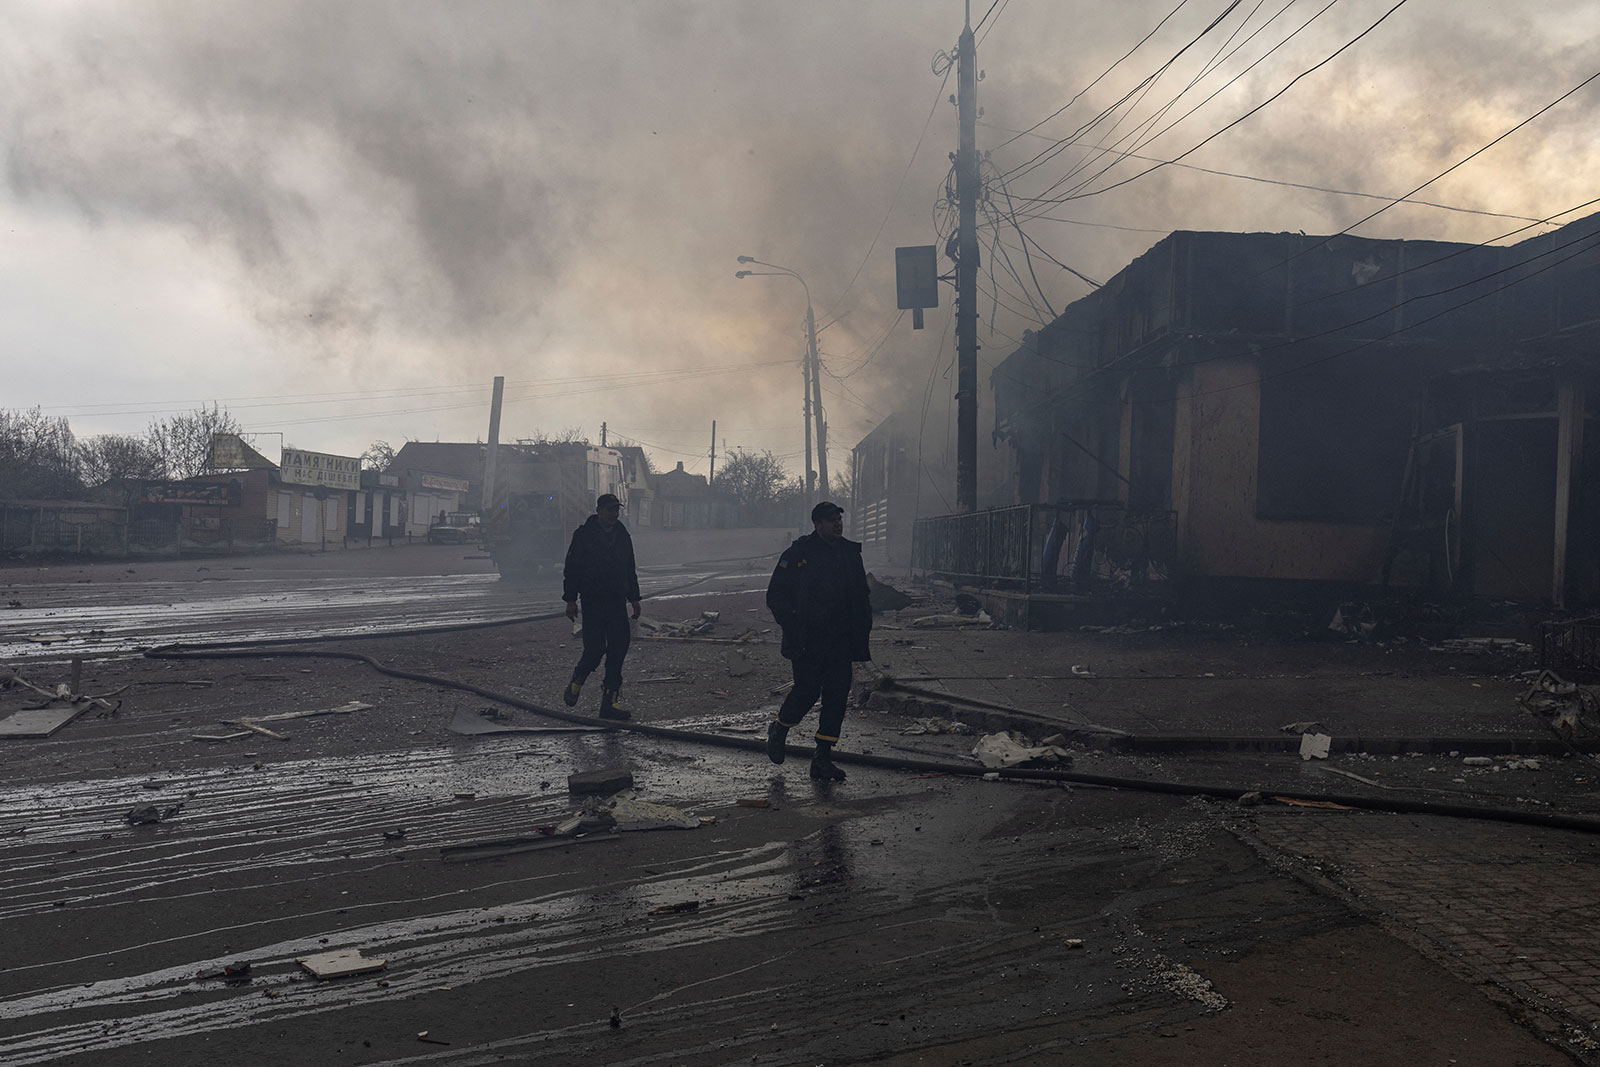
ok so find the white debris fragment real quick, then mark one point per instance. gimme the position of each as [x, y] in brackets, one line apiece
[1314, 746]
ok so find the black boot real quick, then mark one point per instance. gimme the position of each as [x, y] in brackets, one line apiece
[822, 768]
[569, 695]
[609, 708]
[777, 734]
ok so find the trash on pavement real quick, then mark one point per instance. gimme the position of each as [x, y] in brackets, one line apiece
[967, 604]
[1005, 750]
[251, 726]
[754, 802]
[1310, 726]
[611, 780]
[422, 1035]
[340, 964]
[1314, 746]
[632, 813]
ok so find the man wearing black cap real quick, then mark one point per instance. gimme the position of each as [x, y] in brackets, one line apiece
[600, 570]
[818, 594]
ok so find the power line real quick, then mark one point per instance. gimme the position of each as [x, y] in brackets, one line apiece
[1207, 140]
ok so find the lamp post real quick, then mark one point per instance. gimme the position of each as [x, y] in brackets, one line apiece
[812, 375]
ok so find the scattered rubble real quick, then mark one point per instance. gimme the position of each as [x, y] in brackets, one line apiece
[939, 726]
[883, 596]
[150, 814]
[340, 964]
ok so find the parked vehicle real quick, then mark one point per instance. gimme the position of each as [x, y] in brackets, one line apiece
[456, 528]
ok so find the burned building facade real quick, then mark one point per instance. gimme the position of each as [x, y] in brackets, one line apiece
[1337, 410]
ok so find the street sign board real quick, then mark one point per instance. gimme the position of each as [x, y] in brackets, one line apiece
[916, 277]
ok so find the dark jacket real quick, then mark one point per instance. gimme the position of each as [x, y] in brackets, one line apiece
[599, 564]
[818, 594]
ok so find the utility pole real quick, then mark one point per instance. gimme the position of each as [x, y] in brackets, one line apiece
[967, 187]
[602, 435]
[486, 503]
[711, 479]
[816, 395]
[810, 483]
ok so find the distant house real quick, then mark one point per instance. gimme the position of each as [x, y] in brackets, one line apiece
[896, 481]
[1335, 409]
[455, 461]
[640, 480]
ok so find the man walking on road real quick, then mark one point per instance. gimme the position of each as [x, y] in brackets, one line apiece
[601, 571]
[818, 595]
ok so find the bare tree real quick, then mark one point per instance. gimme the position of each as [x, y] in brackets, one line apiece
[183, 442]
[116, 461]
[38, 457]
[761, 485]
[378, 456]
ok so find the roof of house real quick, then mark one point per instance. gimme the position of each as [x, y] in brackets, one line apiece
[459, 460]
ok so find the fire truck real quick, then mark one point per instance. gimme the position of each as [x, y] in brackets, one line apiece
[541, 494]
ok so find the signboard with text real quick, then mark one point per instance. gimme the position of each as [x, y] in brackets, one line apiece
[211, 494]
[444, 482]
[300, 467]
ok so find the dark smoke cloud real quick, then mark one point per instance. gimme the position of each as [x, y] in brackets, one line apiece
[444, 192]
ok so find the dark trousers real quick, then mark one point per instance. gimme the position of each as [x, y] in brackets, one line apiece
[825, 675]
[605, 636]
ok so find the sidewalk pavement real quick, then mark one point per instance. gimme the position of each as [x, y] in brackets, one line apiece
[1182, 688]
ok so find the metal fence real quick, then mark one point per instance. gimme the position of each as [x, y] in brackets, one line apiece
[48, 530]
[1078, 546]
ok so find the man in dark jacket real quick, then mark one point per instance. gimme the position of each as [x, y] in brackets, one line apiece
[600, 570]
[818, 594]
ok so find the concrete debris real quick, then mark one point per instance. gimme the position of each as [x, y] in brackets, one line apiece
[150, 814]
[967, 604]
[1314, 746]
[1310, 726]
[939, 726]
[631, 813]
[1008, 749]
[739, 664]
[1250, 799]
[883, 596]
[754, 802]
[1477, 761]
[1186, 982]
[340, 964]
[612, 780]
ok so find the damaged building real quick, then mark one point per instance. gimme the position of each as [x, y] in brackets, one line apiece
[1337, 410]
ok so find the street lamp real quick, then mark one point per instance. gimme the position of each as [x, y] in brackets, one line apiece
[812, 374]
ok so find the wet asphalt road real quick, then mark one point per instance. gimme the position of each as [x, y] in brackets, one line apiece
[894, 918]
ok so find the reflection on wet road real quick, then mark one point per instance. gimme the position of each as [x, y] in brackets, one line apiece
[269, 864]
[125, 617]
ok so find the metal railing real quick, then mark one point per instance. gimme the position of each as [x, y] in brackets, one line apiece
[1077, 546]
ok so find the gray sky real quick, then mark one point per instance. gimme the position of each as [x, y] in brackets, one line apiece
[342, 220]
